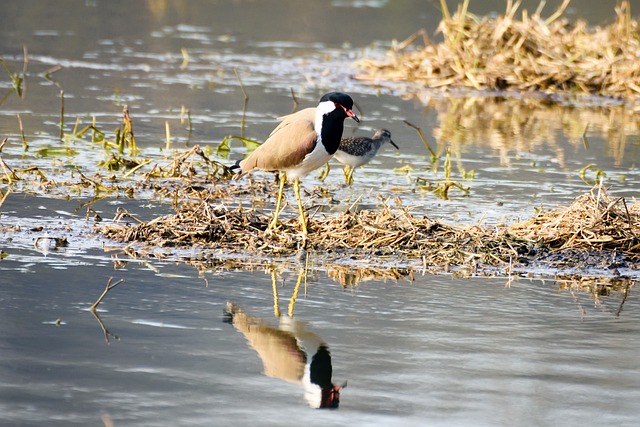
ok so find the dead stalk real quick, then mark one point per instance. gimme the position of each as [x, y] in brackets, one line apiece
[104, 293]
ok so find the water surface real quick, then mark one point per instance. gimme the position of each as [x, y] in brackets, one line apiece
[437, 350]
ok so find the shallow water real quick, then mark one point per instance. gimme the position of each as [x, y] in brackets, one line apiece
[438, 350]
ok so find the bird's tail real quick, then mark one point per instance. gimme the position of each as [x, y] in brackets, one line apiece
[236, 167]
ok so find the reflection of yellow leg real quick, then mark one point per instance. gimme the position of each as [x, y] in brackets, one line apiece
[303, 219]
[274, 220]
[325, 172]
[274, 283]
[292, 302]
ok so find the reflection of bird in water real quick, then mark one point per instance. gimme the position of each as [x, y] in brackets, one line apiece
[290, 352]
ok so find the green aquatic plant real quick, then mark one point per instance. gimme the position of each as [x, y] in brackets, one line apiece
[56, 152]
[117, 162]
[441, 188]
[25, 145]
[61, 115]
[224, 148]
[185, 112]
[18, 80]
[600, 174]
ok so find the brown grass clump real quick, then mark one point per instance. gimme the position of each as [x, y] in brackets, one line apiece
[532, 53]
[593, 222]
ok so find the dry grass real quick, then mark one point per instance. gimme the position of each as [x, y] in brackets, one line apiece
[532, 53]
[593, 222]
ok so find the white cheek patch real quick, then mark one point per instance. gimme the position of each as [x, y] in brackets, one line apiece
[323, 108]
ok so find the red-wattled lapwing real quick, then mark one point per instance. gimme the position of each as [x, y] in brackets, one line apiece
[356, 151]
[301, 143]
[292, 353]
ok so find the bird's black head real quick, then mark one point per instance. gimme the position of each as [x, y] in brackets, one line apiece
[333, 108]
[343, 104]
[339, 97]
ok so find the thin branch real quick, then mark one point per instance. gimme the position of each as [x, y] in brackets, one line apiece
[246, 102]
[422, 137]
[295, 101]
[104, 293]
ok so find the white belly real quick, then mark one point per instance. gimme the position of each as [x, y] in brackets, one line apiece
[312, 161]
[351, 160]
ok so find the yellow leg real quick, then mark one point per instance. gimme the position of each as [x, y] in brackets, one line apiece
[348, 174]
[303, 219]
[274, 220]
[325, 172]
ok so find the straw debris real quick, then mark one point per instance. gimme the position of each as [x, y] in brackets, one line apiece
[549, 55]
[594, 223]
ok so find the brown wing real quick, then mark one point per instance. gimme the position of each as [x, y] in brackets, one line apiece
[279, 351]
[288, 144]
[308, 114]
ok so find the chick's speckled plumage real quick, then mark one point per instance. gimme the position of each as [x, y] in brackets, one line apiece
[359, 150]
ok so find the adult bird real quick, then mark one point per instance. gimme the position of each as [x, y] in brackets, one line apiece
[301, 143]
[356, 151]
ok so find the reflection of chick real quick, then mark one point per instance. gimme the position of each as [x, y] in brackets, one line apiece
[291, 353]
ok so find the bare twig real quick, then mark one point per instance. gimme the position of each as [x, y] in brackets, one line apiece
[424, 140]
[104, 293]
[295, 101]
[61, 115]
[246, 102]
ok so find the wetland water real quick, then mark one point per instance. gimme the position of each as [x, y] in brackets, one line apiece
[435, 350]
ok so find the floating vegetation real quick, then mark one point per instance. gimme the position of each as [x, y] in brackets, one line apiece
[224, 148]
[531, 54]
[122, 155]
[592, 223]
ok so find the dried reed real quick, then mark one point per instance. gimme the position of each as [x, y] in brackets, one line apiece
[532, 53]
[593, 222]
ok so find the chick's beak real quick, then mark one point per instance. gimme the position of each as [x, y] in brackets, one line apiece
[394, 144]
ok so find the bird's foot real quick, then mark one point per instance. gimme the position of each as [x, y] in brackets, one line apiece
[324, 173]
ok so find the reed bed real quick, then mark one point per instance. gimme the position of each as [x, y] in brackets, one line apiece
[529, 54]
[594, 222]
